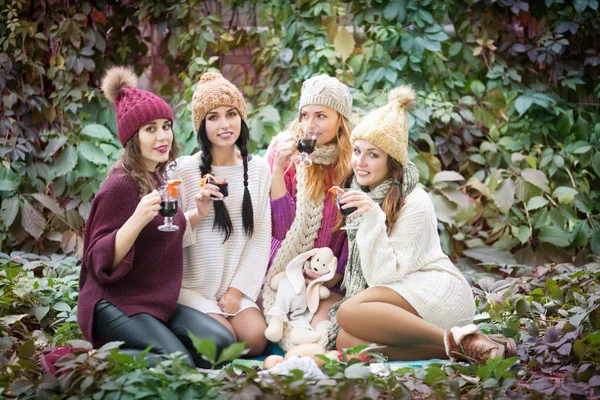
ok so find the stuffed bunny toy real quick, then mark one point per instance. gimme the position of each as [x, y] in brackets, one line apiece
[296, 303]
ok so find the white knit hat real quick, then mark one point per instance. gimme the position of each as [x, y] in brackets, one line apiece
[327, 91]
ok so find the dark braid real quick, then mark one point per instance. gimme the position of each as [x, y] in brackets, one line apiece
[247, 211]
[222, 219]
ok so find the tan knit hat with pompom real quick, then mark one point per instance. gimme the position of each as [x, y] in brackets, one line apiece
[387, 127]
[213, 91]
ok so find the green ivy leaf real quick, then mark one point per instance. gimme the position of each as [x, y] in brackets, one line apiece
[92, 153]
[522, 104]
[564, 194]
[565, 122]
[21, 386]
[553, 235]
[477, 87]
[596, 164]
[536, 178]
[580, 234]
[7, 185]
[233, 351]
[358, 371]
[580, 147]
[504, 197]
[447, 176]
[65, 162]
[523, 234]
[455, 49]
[10, 209]
[582, 129]
[536, 202]
[61, 306]
[97, 131]
[392, 9]
[205, 347]
[490, 255]
[595, 241]
[581, 5]
[53, 145]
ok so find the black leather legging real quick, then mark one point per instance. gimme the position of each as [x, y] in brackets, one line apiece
[142, 330]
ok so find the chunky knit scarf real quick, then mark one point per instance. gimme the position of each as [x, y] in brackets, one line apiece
[354, 281]
[304, 230]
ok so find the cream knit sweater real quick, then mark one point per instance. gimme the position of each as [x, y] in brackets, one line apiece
[210, 266]
[410, 261]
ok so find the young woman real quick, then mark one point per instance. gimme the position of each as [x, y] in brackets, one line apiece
[303, 213]
[226, 256]
[402, 290]
[131, 272]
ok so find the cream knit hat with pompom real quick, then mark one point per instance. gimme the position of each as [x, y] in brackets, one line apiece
[387, 127]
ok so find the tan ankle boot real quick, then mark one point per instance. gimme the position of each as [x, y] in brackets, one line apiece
[466, 343]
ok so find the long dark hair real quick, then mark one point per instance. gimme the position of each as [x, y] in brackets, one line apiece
[222, 219]
[393, 200]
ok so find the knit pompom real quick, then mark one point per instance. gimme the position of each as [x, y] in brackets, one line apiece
[116, 79]
[209, 76]
[404, 95]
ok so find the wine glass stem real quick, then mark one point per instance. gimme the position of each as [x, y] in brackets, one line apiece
[168, 221]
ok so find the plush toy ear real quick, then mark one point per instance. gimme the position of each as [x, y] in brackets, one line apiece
[312, 291]
[293, 271]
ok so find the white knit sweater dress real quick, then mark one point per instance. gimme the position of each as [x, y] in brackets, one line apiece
[410, 261]
[211, 267]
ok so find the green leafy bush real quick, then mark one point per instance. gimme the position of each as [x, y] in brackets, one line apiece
[553, 312]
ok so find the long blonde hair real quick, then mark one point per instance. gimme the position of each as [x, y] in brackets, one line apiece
[317, 179]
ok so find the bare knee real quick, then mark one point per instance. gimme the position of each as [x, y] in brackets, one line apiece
[254, 337]
[344, 314]
[255, 342]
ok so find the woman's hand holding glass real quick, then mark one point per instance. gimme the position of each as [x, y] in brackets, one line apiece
[307, 143]
[204, 200]
[286, 147]
[360, 200]
[147, 208]
[168, 205]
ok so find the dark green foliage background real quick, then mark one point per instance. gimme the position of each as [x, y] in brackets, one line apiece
[505, 134]
[508, 102]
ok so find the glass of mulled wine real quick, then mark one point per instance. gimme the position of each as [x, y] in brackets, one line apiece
[168, 207]
[223, 186]
[307, 142]
[345, 211]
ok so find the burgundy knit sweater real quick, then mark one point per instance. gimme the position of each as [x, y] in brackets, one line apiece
[148, 279]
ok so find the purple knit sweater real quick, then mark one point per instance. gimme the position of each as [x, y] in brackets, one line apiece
[148, 279]
[283, 212]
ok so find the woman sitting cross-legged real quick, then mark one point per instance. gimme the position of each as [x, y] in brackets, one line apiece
[402, 291]
[131, 271]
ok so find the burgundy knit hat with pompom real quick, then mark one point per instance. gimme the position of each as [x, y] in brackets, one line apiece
[134, 107]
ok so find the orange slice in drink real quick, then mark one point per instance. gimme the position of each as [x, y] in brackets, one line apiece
[172, 189]
[336, 190]
[206, 179]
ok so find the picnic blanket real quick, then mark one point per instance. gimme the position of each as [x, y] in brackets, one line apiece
[275, 349]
